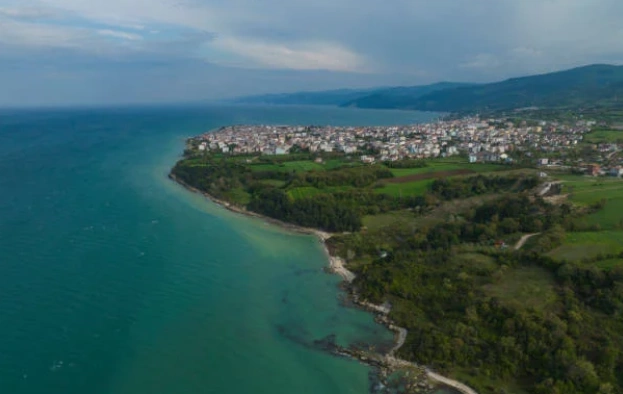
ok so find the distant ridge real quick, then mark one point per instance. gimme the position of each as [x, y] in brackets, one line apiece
[327, 97]
[590, 86]
[382, 97]
[400, 97]
[598, 85]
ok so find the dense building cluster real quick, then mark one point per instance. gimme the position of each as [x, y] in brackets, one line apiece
[483, 140]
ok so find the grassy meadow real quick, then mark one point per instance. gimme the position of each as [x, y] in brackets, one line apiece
[604, 136]
[585, 191]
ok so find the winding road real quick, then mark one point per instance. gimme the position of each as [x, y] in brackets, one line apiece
[522, 241]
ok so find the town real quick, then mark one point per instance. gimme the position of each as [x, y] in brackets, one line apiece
[544, 143]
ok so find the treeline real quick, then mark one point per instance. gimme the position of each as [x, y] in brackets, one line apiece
[452, 188]
[570, 346]
[211, 176]
[340, 211]
[407, 163]
[357, 177]
[321, 211]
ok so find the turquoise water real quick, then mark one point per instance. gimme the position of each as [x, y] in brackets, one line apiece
[113, 279]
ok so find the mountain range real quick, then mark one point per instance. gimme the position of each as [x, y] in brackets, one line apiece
[596, 85]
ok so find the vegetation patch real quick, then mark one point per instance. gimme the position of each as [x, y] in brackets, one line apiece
[578, 246]
[610, 264]
[607, 192]
[603, 136]
[608, 218]
[431, 168]
[376, 222]
[534, 287]
[404, 189]
[429, 175]
[302, 192]
[238, 196]
[288, 166]
[273, 182]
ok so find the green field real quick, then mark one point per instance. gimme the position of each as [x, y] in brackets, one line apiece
[587, 190]
[604, 136]
[532, 286]
[609, 264]
[483, 262]
[376, 222]
[610, 217]
[239, 196]
[308, 191]
[582, 245]
[273, 182]
[438, 166]
[406, 189]
[302, 192]
[303, 165]
[288, 166]
[418, 187]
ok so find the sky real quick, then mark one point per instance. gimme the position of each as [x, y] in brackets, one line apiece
[65, 52]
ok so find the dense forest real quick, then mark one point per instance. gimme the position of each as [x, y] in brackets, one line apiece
[562, 333]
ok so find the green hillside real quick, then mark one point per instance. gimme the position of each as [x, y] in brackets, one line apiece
[596, 85]
[394, 97]
[400, 97]
[590, 86]
[328, 97]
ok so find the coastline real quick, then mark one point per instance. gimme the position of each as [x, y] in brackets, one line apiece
[337, 266]
[336, 263]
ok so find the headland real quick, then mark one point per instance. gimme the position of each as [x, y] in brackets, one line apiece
[418, 221]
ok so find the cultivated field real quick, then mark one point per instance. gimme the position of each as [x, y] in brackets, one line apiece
[416, 181]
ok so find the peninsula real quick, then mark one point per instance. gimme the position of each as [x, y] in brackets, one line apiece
[492, 244]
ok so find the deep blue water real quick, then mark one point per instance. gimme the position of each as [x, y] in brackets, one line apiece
[113, 279]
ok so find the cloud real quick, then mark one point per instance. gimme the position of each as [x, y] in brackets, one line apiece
[405, 42]
[25, 34]
[482, 61]
[301, 56]
[119, 34]
[27, 13]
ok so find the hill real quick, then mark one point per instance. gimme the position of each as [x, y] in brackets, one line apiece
[394, 97]
[590, 86]
[327, 97]
[594, 86]
[400, 97]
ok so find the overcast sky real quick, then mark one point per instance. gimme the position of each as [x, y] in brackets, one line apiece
[121, 51]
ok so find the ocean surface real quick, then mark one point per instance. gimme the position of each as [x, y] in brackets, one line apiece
[113, 279]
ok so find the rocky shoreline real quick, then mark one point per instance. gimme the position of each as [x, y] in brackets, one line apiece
[412, 378]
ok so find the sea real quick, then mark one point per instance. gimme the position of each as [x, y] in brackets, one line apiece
[116, 280]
